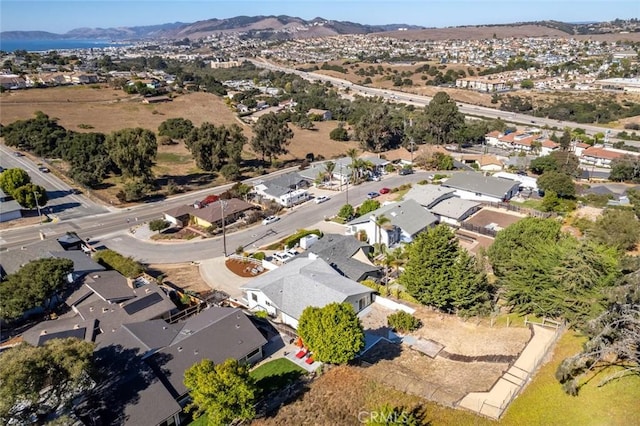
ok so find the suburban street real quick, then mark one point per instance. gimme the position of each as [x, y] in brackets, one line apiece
[63, 203]
[112, 228]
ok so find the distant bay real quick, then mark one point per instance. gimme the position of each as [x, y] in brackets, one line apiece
[42, 45]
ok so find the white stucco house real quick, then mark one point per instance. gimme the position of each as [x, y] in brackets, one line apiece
[406, 220]
[285, 292]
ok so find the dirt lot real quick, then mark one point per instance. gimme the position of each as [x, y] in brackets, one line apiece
[182, 275]
[488, 215]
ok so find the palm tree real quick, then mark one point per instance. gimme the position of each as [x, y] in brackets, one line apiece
[329, 167]
[353, 154]
[380, 221]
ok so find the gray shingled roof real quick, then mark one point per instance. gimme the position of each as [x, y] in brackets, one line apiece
[337, 250]
[109, 286]
[305, 282]
[82, 262]
[407, 215]
[13, 259]
[429, 195]
[485, 185]
[454, 208]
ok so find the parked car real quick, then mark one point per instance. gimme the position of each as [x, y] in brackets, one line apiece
[270, 219]
[405, 171]
[372, 195]
[43, 169]
[385, 191]
[321, 199]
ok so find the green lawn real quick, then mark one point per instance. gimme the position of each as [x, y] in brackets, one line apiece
[200, 421]
[532, 204]
[544, 402]
[276, 374]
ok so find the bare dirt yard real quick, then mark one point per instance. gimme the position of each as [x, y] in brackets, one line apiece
[185, 276]
[489, 215]
[441, 379]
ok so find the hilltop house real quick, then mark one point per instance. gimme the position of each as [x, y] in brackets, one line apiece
[287, 190]
[285, 292]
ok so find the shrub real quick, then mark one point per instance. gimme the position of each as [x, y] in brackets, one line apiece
[261, 314]
[259, 255]
[346, 211]
[295, 238]
[113, 260]
[158, 225]
[403, 322]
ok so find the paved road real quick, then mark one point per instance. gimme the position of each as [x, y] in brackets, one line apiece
[62, 202]
[299, 217]
[467, 109]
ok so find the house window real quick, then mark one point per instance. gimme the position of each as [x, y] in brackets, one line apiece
[362, 303]
[254, 297]
[253, 353]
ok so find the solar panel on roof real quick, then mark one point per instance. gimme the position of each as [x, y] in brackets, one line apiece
[143, 303]
[78, 333]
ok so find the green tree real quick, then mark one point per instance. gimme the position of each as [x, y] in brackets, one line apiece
[212, 147]
[230, 172]
[443, 118]
[175, 128]
[339, 134]
[368, 206]
[87, 154]
[625, 169]
[617, 228]
[223, 392]
[37, 381]
[32, 286]
[526, 84]
[375, 130]
[31, 196]
[271, 137]
[565, 140]
[346, 211]
[441, 274]
[333, 333]
[133, 152]
[12, 179]
[40, 135]
[544, 271]
[559, 183]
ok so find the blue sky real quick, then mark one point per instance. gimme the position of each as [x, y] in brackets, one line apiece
[61, 16]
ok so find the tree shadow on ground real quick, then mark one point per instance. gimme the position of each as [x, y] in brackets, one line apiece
[121, 376]
[383, 350]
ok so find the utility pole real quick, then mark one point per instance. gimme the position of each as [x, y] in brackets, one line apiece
[36, 195]
[224, 232]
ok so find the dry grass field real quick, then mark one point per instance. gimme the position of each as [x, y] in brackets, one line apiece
[105, 110]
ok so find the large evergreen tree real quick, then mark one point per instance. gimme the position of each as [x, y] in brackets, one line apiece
[271, 136]
[441, 274]
[133, 151]
[443, 118]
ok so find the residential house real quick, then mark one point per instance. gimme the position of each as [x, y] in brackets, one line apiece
[474, 186]
[454, 210]
[256, 115]
[9, 208]
[350, 257]
[405, 220]
[209, 215]
[429, 195]
[286, 291]
[12, 82]
[287, 190]
[484, 162]
[322, 114]
[603, 157]
[579, 148]
[528, 182]
[548, 146]
[492, 138]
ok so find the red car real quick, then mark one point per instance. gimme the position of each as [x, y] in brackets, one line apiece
[385, 191]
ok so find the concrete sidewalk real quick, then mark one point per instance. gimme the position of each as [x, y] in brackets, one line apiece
[494, 402]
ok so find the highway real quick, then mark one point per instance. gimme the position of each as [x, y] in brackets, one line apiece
[421, 101]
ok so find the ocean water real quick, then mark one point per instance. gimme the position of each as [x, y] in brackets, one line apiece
[42, 45]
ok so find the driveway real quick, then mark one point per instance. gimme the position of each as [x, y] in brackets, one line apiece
[216, 274]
